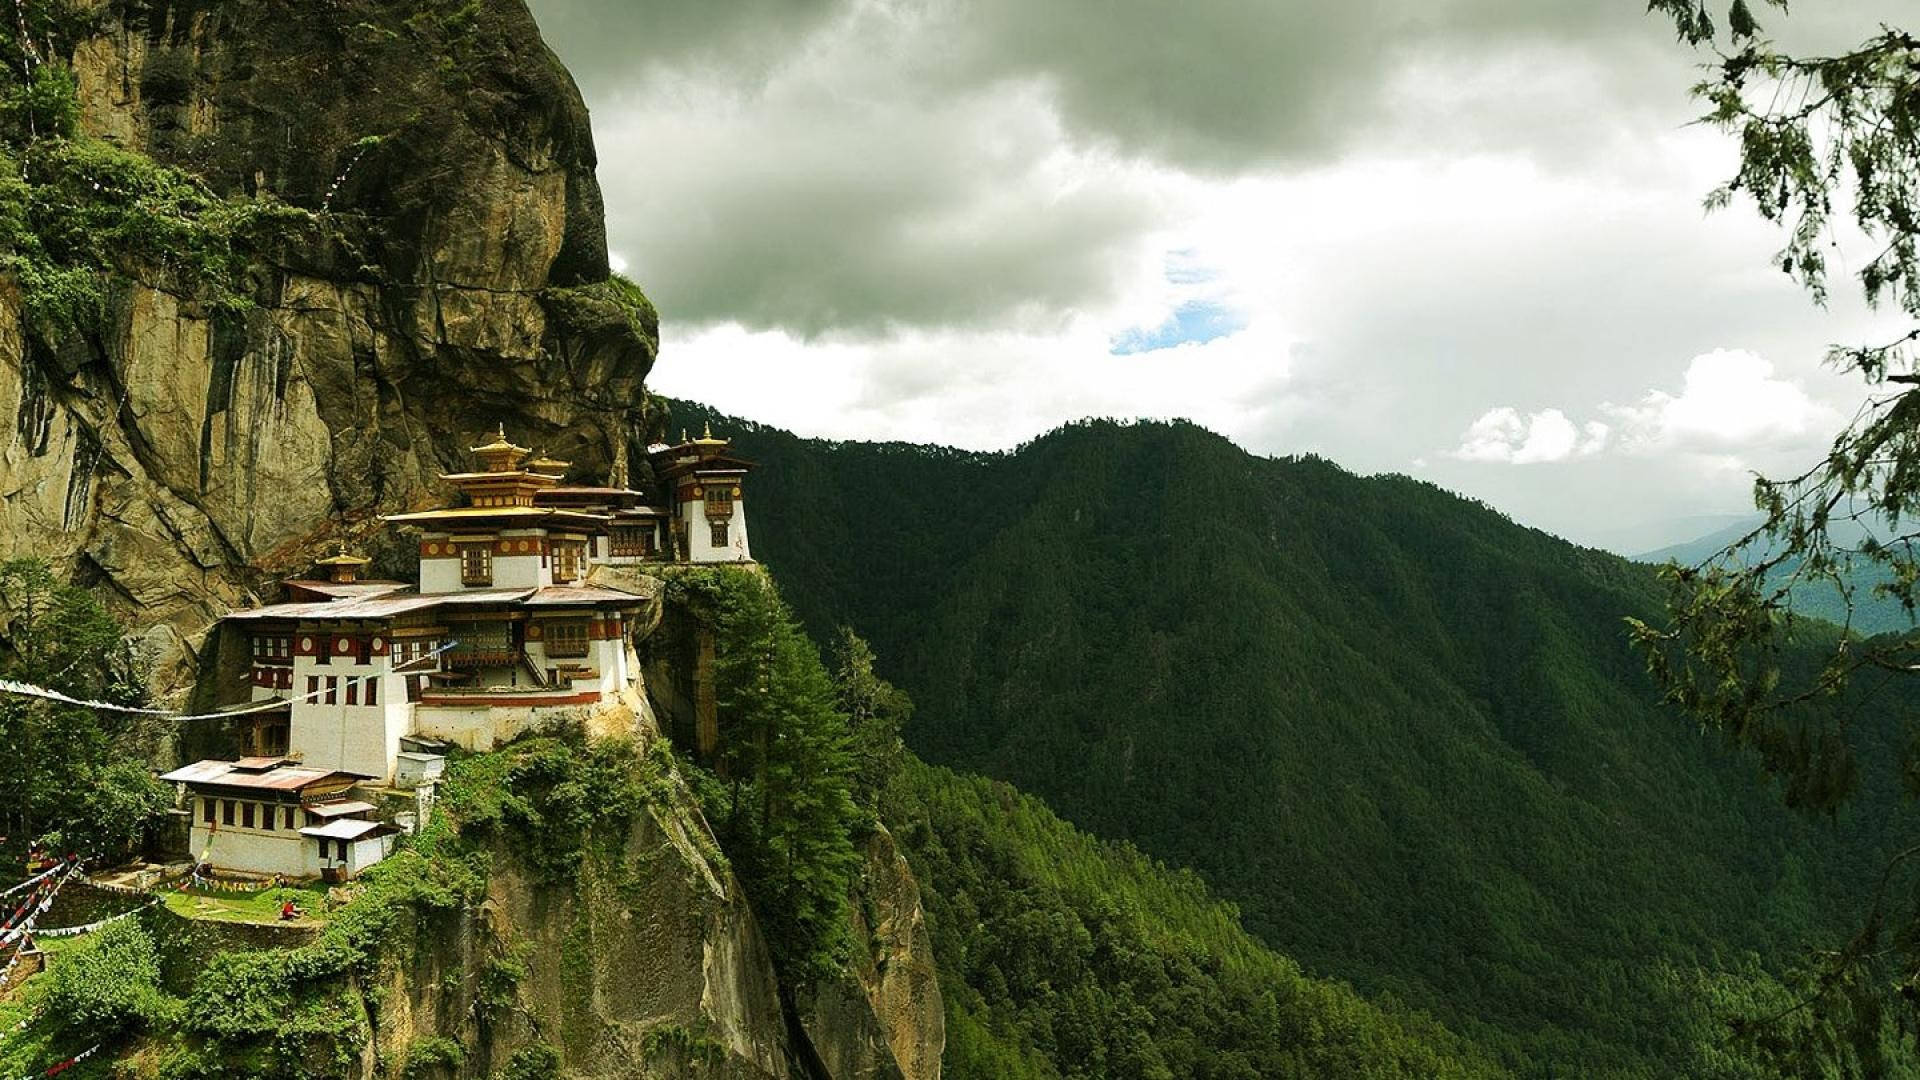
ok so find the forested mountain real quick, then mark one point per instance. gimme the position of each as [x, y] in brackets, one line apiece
[1870, 614]
[1403, 733]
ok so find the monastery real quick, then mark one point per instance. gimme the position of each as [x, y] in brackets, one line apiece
[359, 687]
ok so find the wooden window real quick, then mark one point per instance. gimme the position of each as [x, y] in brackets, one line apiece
[206, 809]
[566, 562]
[476, 564]
[333, 689]
[289, 817]
[353, 691]
[414, 683]
[313, 686]
[246, 815]
[226, 811]
[719, 536]
[373, 691]
[719, 502]
[565, 638]
[630, 541]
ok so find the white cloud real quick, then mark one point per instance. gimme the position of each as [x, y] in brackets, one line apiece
[1503, 435]
[1730, 400]
[1730, 404]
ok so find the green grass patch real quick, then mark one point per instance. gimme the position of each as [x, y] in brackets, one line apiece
[260, 907]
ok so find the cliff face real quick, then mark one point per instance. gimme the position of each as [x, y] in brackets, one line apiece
[649, 963]
[452, 276]
[884, 1017]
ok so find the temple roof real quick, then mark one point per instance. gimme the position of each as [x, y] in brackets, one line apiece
[557, 595]
[341, 590]
[500, 445]
[349, 829]
[497, 513]
[230, 774]
[388, 606]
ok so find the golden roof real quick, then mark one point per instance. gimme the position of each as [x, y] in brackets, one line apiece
[500, 445]
[341, 558]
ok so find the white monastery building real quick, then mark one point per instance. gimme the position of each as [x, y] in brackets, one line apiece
[356, 684]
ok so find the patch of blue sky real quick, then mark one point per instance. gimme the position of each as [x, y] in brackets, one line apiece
[1195, 322]
[1183, 267]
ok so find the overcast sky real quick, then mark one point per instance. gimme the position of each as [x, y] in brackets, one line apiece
[1460, 239]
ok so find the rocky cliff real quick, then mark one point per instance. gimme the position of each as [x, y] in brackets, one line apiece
[441, 269]
[201, 405]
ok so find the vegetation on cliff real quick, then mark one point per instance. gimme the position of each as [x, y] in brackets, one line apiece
[76, 211]
[1403, 734]
[781, 793]
[77, 780]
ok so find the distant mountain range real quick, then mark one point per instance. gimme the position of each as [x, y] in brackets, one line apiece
[1403, 733]
[1870, 615]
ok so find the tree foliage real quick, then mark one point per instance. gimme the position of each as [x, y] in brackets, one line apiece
[109, 983]
[876, 713]
[1061, 956]
[1331, 694]
[78, 779]
[1828, 144]
[782, 801]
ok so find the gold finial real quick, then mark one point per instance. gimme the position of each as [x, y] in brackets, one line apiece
[708, 433]
[683, 434]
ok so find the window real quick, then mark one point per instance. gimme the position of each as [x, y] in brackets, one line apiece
[289, 817]
[565, 638]
[342, 847]
[333, 689]
[632, 540]
[206, 809]
[719, 502]
[476, 564]
[566, 562]
[719, 537]
[246, 815]
[313, 686]
[267, 814]
[226, 811]
[373, 691]
[353, 691]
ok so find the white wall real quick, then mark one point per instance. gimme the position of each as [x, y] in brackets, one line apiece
[354, 738]
[700, 547]
[439, 576]
[250, 851]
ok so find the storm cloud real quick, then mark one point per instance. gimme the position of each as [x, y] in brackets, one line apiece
[1457, 238]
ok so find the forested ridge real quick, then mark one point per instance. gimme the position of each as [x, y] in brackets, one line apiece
[1405, 735]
